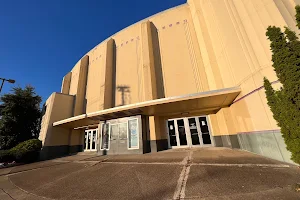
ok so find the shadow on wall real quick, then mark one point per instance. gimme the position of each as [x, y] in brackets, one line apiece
[157, 62]
[125, 94]
[114, 64]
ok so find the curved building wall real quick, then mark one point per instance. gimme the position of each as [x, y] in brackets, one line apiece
[199, 46]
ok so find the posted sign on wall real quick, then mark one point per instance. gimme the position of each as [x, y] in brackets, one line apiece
[133, 134]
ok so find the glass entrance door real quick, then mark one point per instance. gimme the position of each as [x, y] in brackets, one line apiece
[188, 132]
[194, 131]
[172, 133]
[177, 133]
[90, 140]
[182, 134]
[205, 134]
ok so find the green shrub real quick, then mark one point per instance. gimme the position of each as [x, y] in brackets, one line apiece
[27, 151]
[6, 156]
[285, 102]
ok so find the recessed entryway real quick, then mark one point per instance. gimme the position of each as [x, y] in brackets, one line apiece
[188, 132]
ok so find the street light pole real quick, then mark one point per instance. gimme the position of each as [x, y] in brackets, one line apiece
[2, 85]
[8, 80]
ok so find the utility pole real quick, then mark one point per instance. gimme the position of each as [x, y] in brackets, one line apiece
[8, 80]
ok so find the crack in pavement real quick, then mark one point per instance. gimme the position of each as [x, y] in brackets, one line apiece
[32, 169]
[7, 193]
[182, 180]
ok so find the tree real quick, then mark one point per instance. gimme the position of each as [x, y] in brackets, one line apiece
[285, 102]
[20, 116]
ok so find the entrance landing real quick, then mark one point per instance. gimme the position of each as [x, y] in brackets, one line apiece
[192, 173]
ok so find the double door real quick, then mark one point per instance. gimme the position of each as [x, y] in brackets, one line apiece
[90, 140]
[118, 137]
[187, 132]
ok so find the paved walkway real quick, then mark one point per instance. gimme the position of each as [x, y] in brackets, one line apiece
[199, 173]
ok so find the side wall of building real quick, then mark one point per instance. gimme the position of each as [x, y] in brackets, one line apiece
[56, 140]
[237, 53]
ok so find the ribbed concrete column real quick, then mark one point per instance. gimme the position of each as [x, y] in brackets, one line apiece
[110, 75]
[79, 107]
[153, 80]
[65, 87]
[151, 58]
[148, 62]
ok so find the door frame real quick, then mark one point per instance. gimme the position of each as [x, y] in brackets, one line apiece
[188, 132]
[177, 134]
[198, 131]
[210, 132]
[90, 131]
[121, 121]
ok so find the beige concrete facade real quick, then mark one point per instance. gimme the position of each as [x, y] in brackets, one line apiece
[200, 46]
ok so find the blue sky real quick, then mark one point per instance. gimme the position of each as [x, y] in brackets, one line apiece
[40, 41]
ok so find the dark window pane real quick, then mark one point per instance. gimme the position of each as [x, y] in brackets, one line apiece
[194, 131]
[85, 138]
[89, 141]
[94, 140]
[172, 134]
[181, 131]
[204, 130]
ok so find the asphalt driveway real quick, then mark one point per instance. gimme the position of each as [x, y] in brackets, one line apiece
[199, 173]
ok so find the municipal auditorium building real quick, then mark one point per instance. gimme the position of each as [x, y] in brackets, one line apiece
[188, 77]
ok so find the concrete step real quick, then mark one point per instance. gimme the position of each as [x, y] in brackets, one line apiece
[89, 153]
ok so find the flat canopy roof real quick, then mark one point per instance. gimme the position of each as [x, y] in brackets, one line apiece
[209, 102]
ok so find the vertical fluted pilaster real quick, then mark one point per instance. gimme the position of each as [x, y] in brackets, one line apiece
[79, 107]
[65, 87]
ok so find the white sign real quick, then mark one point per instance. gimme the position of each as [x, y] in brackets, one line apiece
[133, 133]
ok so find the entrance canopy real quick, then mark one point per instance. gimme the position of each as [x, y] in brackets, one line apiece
[209, 102]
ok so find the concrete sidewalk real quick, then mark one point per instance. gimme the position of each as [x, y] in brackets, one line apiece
[198, 173]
